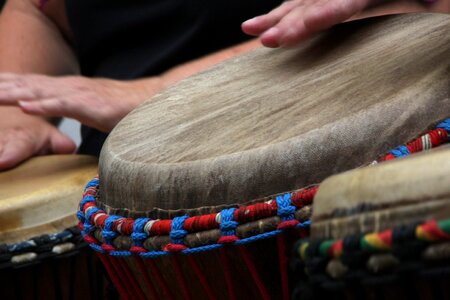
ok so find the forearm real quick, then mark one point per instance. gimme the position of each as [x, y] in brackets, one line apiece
[192, 67]
[31, 43]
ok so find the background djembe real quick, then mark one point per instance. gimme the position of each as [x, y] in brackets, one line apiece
[42, 254]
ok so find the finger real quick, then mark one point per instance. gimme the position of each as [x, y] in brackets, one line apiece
[289, 31]
[12, 95]
[61, 144]
[14, 152]
[259, 24]
[328, 13]
[60, 108]
[48, 108]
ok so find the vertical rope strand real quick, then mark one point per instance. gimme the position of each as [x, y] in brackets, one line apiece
[133, 284]
[205, 284]
[112, 274]
[283, 263]
[227, 272]
[148, 282]
[115, 262]
[160, 279]
[252, 268]
[180, 277]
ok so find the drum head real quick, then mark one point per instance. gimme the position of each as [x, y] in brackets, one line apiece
[272, 121]
[40, 196]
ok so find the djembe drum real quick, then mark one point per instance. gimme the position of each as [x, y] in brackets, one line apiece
[42, 254]
[380, 232]
[182, 205]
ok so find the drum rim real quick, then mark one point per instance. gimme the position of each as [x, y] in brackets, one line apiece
[43, 247]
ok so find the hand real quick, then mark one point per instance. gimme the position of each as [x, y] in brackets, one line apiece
[296, 20]
[25, 136]
[98, 103]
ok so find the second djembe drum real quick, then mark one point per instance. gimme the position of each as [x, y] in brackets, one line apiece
[192, 197]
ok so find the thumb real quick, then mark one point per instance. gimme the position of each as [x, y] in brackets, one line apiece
[60, 143]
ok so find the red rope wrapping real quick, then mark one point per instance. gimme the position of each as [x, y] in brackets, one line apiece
[304, 197]
[200, 223]
[255, 275]
[180, 277]
[113, 275]
[283, 261]
[161, 227]
[227, 272]
[148, 282]
[254, 212]
[160, 279]
[201, 277]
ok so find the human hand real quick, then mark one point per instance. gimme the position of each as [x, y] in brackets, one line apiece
[24, 136]
[296, 20]
[98, 103]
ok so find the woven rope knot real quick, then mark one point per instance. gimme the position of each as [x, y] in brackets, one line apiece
[227, 224]
[85, 200]
[89, 213]
[107, 232]
[94, 183]
[139, 235]
[177, 233]
[286, 211]
[80, 216]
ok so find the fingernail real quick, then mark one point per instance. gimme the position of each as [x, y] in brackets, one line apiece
[272, 32]
[22, 103]
[250, 21]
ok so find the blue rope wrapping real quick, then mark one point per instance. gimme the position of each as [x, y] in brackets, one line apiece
[177, 232]
[93, 183]
[87, 226]
[305, 224]
[227, 224]
[400, 151]
[86, 199]
[286, 211]
[138, 235]
[107, 232]
[446, 126]
[97, 248]
[120, 253]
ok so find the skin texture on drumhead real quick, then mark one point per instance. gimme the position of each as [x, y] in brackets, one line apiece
[41, 195]
[276, 120]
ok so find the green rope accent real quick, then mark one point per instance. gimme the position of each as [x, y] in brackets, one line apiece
[325, 247]
[444, 225]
